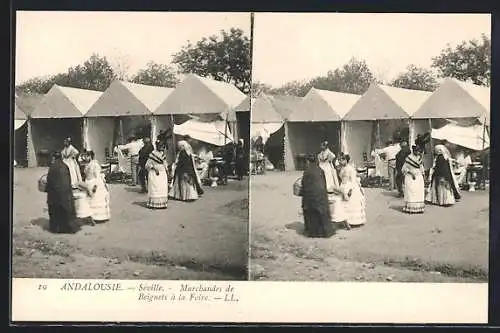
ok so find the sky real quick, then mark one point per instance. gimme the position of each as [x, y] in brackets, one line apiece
[50, 42]
[305, 45]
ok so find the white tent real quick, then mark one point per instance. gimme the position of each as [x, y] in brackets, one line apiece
[469, 137]
[209, 132]
[316, 118]
[60, 115]
[19, 117]
[375, 117]
[243, 114]
[120, 111]
[207, 99]
[265, 119]
[460, 102]
[24, 150]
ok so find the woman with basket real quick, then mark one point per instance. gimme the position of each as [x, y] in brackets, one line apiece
[316, 211]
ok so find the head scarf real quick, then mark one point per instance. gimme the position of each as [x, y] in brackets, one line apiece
[184, 145]
[442, 150]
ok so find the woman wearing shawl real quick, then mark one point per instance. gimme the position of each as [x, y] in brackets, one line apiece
[443, 188]
[97, 191]
[69, 155]
[186, 182]
[157, 167]
[60, 202]
[354, 198]
[414, 185]
[316, 212]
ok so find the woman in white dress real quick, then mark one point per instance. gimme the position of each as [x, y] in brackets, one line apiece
[326, 160]
[157, 168]
[354, 197]
[414, 185]
[70, 155]
[98, 192]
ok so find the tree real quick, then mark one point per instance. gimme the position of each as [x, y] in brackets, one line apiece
[224, 58]
[156, 75]
[95, 74]
[259, 88]
[295, 88]
[469, 61]
[354, 78]
[415, 78]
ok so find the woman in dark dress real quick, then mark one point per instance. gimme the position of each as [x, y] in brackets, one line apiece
[60, 200]
[186, 183]
[444, 190]
[315, 207]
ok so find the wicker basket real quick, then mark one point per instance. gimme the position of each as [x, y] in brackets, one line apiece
[42, 183]
[297, 187]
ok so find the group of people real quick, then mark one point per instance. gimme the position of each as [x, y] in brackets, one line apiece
[72, 196]
[331, 194]
[331, 190]
[77, 190]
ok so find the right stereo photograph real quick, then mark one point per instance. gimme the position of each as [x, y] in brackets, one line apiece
[370, 147]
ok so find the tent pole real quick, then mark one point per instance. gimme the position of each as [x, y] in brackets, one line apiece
[431, 141]
[225, 129]
[174, 147]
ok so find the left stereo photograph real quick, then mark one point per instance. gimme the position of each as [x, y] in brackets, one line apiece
[130, 145]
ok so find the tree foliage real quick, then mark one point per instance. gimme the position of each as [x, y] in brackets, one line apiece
[95, 73]
[159, 75]
[224, 58]
[415, 78]
[469, 61]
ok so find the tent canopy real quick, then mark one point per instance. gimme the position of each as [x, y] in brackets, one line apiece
[384, 102]
[18, 113]
[243, 106]
[264, 110]
[28, 102]
[199, 95]
[323, 105]
[128, 99]
[456, 99]
[469, 137]
[214, 133]
[264, 130]
[63, 102]
[285, 104]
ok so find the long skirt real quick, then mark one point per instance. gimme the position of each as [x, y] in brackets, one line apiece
[414, 194]
[184, 188]
[317, 224]
[74, 171]
[61, 220]
[157, 190]
[100, 201]
[337, 207]
[441, 193]
[82, 204]
[355, 207]
[330, 173]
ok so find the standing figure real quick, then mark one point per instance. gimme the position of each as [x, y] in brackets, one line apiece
[444, 189]
[69, 156]
[157, 168]
[60, 200]
[463, 160]
[144, 153]
[390, 152]
[352, 192]
[98, 191]
[133, 147]
[316, 212]
[240, 159]
[186, 184]
[414, 189]
[205, 156]
[400, 161]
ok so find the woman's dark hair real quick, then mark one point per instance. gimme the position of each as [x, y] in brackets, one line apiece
[91, 154]
[56, 155]
[345, 157]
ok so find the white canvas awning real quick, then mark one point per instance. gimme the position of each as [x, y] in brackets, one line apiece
[18, 123]
[210, 132]
[469, 137]
[264, 130]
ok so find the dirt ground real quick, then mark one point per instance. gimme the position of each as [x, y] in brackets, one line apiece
[203, 240]
[442, 245]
